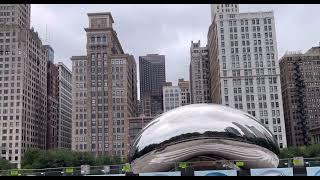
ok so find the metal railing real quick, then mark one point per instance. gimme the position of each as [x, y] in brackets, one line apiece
[117, 169]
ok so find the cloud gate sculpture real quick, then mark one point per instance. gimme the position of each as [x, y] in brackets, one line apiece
[203, 132]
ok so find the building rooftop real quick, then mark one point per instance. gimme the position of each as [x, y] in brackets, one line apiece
[78, 57]
[314, 51]
[101, 14]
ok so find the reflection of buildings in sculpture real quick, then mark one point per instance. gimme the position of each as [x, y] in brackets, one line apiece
[203, 132]
[136, 124]
[244, 130]
[233, 130]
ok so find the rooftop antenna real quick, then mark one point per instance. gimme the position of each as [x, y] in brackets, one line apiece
[46, 36]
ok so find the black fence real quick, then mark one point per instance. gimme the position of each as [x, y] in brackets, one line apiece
[186, 169]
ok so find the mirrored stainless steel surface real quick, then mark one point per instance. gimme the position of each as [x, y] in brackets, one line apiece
[210, 130]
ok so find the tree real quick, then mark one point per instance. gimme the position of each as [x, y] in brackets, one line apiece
[304, 151]
[54, 158]
[29, 158]
[5, 164]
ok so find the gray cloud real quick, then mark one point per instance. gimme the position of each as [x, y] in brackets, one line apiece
[165, 29]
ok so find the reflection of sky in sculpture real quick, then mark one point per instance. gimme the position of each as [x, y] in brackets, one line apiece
[200, 118]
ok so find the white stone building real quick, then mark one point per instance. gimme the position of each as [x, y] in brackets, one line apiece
[171, 97]
[244, 66]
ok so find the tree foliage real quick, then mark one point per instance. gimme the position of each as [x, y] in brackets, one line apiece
[39, 159]
[5, 164]
[304, 151]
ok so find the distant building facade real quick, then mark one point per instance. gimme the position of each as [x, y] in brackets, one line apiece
[300, 81]
[64, 123]
[80, 114]
[199, 74]
[110, 88]
[52, 100]
[152, 79]
[185, 92]
[23, 85]
[243, 63]
[171, 97]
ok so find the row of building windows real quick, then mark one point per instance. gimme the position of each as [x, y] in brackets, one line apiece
[79, 63]
[255, 21]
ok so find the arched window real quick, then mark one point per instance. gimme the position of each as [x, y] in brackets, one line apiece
[104, 39]
[98, 39]
[92, 39]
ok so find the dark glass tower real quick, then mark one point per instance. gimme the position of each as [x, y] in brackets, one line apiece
[152, 79]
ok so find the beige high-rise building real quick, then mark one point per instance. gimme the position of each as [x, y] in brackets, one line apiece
[80, 113]
[185, 92]
[23, 84]
[104, 91]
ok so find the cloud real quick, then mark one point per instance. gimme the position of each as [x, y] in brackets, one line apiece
[165, 29]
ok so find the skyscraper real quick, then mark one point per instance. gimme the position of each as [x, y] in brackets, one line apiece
[80, 114]
[52, 100]
[300, 80]
[244, 69]
[64, 122]
[199, 74]
[108, 82]
[23, 84]
[152, 79]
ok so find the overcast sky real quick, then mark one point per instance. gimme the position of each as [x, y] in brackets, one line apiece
[165, 29]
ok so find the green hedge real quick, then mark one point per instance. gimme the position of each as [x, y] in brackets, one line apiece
[304, 151]
[39, 159]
